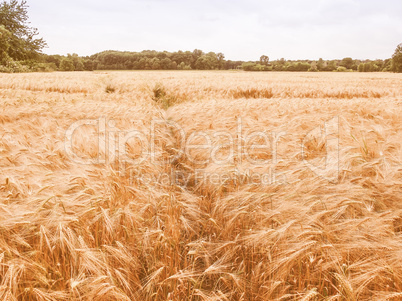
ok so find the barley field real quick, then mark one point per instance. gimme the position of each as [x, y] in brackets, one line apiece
[193, 185]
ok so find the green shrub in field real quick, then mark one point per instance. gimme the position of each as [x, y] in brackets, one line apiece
[341, 69]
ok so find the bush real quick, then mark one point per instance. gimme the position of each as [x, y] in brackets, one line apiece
[313, 68]
[16, 67]
[250, 66]
[183, 66]
[341, 69]
[297, 66]
[367, 67]
[162, 97]
[4, 69]
[110, 89]
[44, 67]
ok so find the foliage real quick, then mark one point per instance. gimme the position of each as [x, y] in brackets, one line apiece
[221, 60]
[44, 67]
[298, 66]
[264, 59]
[189, 60]
[250, 66]
[320, 64]
[348, 63]
[207, 61]
[183, 66]
[367, 67]
[163, 97]
[4, 45]
[110, 89]
[397, 59]
[21, 38]
[341, 69]
[66, 64]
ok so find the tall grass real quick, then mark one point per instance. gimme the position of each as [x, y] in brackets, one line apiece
[88, 232]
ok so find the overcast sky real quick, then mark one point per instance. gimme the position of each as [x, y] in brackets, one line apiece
[242, 30]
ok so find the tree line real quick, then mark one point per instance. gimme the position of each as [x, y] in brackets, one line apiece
[198, 60]
[21, 51]
[145, 60]
[343, 65]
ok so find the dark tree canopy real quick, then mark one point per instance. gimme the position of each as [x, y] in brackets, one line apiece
[397, 59]
[347, 62]
[20, 39]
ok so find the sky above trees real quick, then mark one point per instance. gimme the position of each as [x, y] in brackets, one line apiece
[243, 30]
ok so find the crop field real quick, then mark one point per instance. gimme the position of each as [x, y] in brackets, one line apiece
[200, 185]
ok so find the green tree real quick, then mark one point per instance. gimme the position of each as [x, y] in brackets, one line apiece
[195, 56]
[331, 66]
[221, 59]
[252, 66]
[55, 59]
[155, 64]
[88, 65]
[313, 67]
[367, 67]
[347, 62]
[66, 64]
[320, 64]
[341, 69]
[4, 45]
[22, 41]
[361, 67]
[207, 61]
[264, 59]
[181, 66]
[249, 66]
[79, 66]
[173, 65]
[387, 65]
[77, 62]
[166, 64]
[397, 59]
